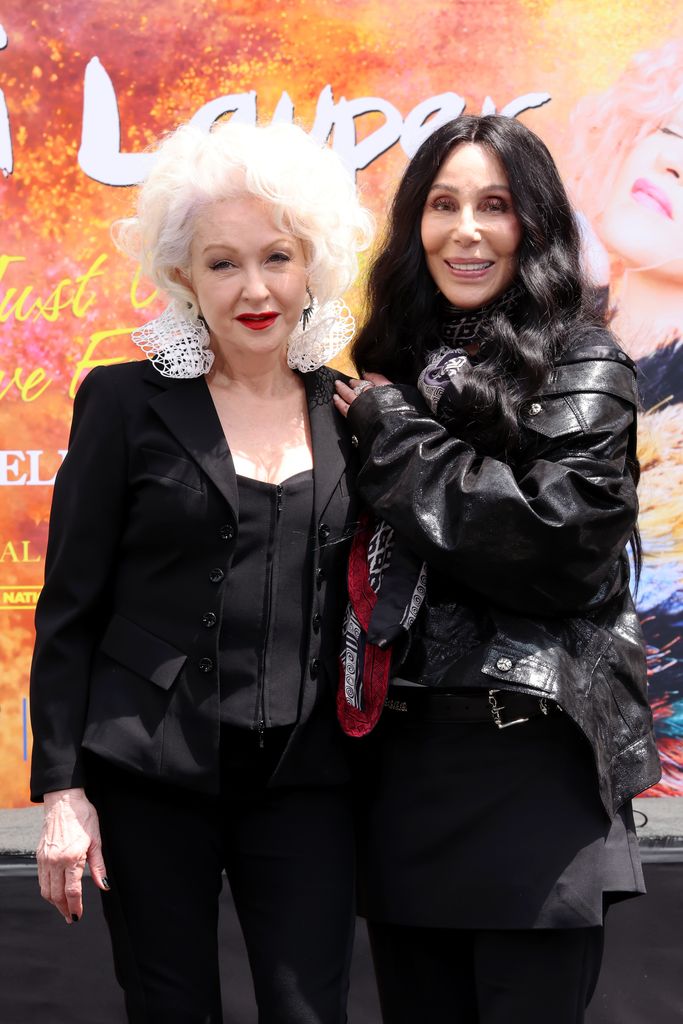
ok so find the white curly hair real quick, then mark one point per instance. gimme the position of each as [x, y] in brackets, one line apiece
[308, 188]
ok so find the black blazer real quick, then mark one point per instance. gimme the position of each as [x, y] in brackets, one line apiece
[142, 532]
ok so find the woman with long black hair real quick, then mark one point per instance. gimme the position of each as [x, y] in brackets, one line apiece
[491, 624]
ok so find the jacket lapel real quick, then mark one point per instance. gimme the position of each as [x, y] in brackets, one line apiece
[329, 434]
[188, 412]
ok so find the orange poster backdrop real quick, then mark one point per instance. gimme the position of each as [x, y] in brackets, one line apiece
[87, 85]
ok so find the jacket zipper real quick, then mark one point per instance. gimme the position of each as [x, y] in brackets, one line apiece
[262, 695]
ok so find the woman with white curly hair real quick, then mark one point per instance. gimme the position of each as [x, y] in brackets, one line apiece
[183, 678]
[624, 165]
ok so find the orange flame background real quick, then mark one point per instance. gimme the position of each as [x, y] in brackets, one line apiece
[75, 299]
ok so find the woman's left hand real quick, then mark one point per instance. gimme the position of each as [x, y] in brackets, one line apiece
[348, 393]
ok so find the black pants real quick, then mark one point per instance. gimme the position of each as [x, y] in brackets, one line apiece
[452, 976]
[288, 856]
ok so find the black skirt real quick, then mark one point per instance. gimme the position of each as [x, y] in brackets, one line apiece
[470, 826]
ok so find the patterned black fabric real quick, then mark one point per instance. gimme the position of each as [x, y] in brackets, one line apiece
[462, 326]
[323, 389]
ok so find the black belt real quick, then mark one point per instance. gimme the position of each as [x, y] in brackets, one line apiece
[502, 707]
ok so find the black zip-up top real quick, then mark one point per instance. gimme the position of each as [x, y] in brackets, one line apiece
[266, 604]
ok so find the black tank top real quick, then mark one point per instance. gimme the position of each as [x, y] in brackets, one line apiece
[266, 611]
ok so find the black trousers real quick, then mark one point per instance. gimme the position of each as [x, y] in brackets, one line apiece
[288, 855]
[454, 976]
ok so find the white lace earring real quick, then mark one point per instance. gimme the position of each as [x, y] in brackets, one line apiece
[320, 335]
[175, 345]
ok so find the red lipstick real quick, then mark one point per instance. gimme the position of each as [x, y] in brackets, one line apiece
[257, 321]
[648, 194]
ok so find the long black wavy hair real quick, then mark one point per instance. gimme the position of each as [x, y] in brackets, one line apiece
[517, 351]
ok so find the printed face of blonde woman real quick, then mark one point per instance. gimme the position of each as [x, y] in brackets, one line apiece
[470, 231]
[248, 275]
[643, 222]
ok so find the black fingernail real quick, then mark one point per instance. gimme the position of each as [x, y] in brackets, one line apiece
[74, 918]
[105, 883]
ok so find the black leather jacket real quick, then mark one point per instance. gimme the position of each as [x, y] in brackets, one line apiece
[528, 575]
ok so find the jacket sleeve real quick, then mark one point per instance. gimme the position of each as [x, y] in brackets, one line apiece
[85, 527]
[542, 537]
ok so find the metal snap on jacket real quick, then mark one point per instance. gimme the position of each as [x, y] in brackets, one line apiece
[535, 408]
[216, 575]
[205, 664]
[226, 532]
[209, 620]
[323, 531]
[314, 667]
[316, 622]
[504, 664]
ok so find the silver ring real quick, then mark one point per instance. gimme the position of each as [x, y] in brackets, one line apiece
[363, 385]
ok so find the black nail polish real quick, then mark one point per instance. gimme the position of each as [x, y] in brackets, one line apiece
[74, 918]
[105, 883]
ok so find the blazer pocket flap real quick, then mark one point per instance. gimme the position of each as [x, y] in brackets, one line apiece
[171, 467]
[142, 652]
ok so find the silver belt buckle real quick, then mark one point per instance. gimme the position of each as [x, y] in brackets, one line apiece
[496, 712]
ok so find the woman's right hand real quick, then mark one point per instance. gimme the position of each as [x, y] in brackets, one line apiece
[346, 394]
[70, 838]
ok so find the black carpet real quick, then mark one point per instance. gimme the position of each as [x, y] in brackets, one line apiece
[51, 974]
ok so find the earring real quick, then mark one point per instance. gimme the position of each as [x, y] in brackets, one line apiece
[307, 311]
[175, 345]
[332, 328]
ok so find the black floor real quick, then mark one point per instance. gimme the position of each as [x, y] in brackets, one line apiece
[51, 974]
